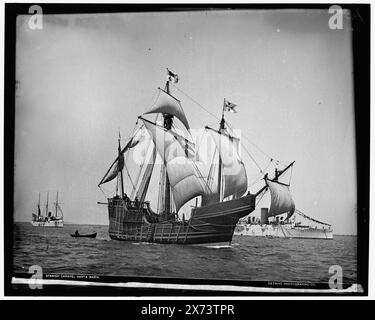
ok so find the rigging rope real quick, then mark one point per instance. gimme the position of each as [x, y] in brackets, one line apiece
[261, 196]
[197, 103]
[161, 190]
[134, 191]
[210, 177]
[107, 196]
[155, 98]
[131, 181]
[309, 218]
[267, 155]
[205, 109]
[291, 173]
[266, 168]
[251, 157]
[260, 175]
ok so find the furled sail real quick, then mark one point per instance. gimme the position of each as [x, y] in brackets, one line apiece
[115, 169]
[183, 172]
[118, 164]
[281, 199]
[168, 104]
[234, 172]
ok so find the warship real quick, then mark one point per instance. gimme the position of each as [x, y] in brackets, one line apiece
[282, 219]
[48, 219]
[219, 186]
[282, 226]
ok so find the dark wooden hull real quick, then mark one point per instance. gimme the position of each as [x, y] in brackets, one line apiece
[92, 235]
[209, 224]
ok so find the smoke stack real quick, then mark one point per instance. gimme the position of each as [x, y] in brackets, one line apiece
[264, 216]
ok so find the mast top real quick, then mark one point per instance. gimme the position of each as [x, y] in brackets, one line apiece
[222, 122]
[167, 87]
[119, 141]
[171, 77]
[275, 179]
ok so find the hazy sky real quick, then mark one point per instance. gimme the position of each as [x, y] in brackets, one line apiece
[82, 77]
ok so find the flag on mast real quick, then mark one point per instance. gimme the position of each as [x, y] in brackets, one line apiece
[173, 77]
[229, 106]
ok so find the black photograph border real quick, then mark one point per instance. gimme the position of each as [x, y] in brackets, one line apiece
[361, 66]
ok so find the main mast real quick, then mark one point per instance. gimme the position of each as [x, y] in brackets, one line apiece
[168, 120]
[221, 128]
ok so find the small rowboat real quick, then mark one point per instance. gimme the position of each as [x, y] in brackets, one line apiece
[92, 235]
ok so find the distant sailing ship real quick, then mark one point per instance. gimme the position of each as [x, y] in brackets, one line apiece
[220, 185]
[49, 219]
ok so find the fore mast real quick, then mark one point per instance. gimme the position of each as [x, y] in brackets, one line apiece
[121, 177]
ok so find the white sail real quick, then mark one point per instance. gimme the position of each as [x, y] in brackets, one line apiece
[144, 155]
[145, 182]
[234, 172]
[281, 199]
[183, 172]
[168, 104]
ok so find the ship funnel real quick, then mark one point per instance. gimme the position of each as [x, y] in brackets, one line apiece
[263, 215]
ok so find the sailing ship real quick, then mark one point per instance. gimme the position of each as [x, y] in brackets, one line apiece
[219, 185]
[48, 219]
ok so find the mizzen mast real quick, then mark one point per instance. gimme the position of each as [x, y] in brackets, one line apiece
[278, 173]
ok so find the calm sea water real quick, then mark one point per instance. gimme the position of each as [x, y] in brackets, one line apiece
[248, 258]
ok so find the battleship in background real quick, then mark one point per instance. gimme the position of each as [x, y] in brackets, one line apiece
[282, 220]
[279, 229]
[48, 219]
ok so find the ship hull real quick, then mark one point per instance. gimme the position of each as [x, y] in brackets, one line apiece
[209, 224]
[283, 231]
[48, 224]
